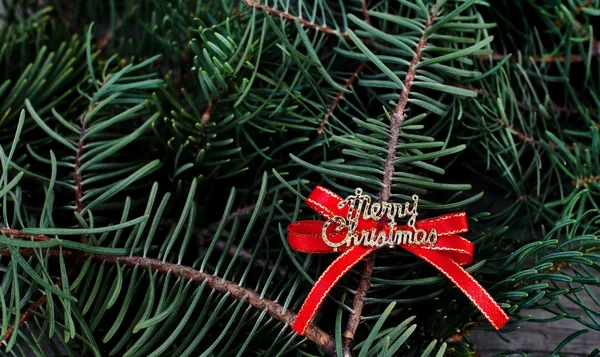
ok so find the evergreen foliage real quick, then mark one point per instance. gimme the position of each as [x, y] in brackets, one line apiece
[153, 153]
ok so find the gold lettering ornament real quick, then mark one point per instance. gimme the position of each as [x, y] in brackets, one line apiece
[360, 207]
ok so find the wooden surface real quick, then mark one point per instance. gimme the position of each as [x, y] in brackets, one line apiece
[538, 339]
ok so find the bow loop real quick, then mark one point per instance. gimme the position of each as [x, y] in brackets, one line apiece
[447, 253]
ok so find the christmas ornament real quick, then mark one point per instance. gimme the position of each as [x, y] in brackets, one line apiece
[356, 227]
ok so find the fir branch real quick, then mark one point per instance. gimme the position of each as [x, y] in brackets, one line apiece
[365, 11]
[528, 139]
[339, 97]
[303, 22]
[77, 181]
[553, 269]
[522, 136]
[256, 300]
[525, 106]
[15, 233]
[24, 317]
[547, 59]
[585, 181]
[459, 336]
[350, 79]
[276, 311]
[29, 312]
[397, 117]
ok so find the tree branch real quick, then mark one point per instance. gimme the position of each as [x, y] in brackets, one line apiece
[554, 107]
[14, 233]
[522, 136]
[365, 11]
[254, 299]
[585, 181]
[303, 22]
[398, 116]
[275, 310]
[208, 112]
[542, 59]
[339, 97]
[77, 180]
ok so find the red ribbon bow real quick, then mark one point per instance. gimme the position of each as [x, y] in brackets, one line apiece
[447, 255]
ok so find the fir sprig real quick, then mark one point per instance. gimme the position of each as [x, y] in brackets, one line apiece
[119, 146]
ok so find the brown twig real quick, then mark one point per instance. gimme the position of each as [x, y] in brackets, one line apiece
[459, 336]
[585, 181]
[14, 233]
[303, 22]
[551, 59]
[397, 118]
[537, 59]
[522, 136]
[339, 97]
[358, 304]
[365, 11]
[208, 112]
[24, 317]
[528, 139]
[77, 179]
[275, 310]
[555, 107]
[554, 268]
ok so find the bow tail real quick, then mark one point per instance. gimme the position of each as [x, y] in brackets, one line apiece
[466, 283]
[325, 283]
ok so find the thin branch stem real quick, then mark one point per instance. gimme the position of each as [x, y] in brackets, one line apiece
[398, 116]
[24, 317]
[528, 139]
[542, 59]
[522, 136]
[14, 233]
[585, 181]
[339, 97]
[365, 11]
[303, 22]
[208, 112]
[236, 291]
[254, 299]
[77, 179]
[554, 107]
